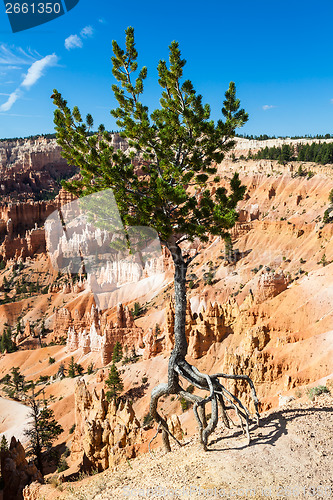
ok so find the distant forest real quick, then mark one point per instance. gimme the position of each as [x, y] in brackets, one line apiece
[47, 136]
[265, 137]
[316, 152]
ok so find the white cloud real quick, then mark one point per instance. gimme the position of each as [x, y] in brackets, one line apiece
[36, 70]
[268, 106]
[11, 100]
[87, 31]
[73, 42]
[102, 21]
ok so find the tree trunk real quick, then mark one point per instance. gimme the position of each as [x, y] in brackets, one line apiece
[178, 366]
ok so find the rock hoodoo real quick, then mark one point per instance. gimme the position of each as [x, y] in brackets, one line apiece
[105, 434]
[16, 471]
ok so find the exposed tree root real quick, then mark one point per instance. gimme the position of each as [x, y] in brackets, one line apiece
[219, 398]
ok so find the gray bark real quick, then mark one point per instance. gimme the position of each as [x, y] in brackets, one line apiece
[179, 367]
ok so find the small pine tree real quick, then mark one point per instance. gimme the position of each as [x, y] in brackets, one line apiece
[79, 369]
[114, 384]
[117, 352]
[228, 249]
[18, 327]
[43, 431]
[71, 368]
[14, 384]
[90, 368]
[136, 310]
[330, 196]
[61, 370]
[3, 444]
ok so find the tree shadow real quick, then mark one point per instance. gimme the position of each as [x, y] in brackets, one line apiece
[135, 392]
[272, 427]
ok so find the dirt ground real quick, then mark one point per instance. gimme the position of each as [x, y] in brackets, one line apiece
[290, 456]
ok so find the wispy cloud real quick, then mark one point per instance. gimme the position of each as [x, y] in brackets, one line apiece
[73, 42]
[11, 100]
[13, 56]
[102, 21]
[23, 116]
[268, 106]
[35, 72]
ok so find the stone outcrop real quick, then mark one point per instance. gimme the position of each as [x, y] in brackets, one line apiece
[21, 233]
[20, 248]
[105, 434]
[94, 331]
[269, 285]
[32, 491]
[175, 427]
[16, 471]
[203, 329]
[29, 168]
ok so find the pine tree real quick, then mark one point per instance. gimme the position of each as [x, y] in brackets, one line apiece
[330, 196]
[179, 146]
[114, 384]
[79, 368]
[15, 384]
[228, 249]
[117, 352]
[71, 368]
[43, 430]
[61, 370]
[3, 443]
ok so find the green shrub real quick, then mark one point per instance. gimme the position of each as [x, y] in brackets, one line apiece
[184, 404]
[51, 360]
[316, 391]
[63, 465]
[90, 368]
[147, 420]
[72, 429]
[330, 196]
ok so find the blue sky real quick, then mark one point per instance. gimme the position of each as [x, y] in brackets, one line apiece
[278, 54]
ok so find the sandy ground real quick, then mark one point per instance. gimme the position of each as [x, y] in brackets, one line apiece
[14, 418]
[290, 456]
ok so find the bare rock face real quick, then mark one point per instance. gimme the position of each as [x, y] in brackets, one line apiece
[202, 329]
[31, 492]
[16, 471]
[30, 167]
[93, 331]
[175, 427]
[152, 345]
[269, 285]
[105, 435]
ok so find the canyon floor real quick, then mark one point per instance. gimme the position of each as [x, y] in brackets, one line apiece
[290, 456]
